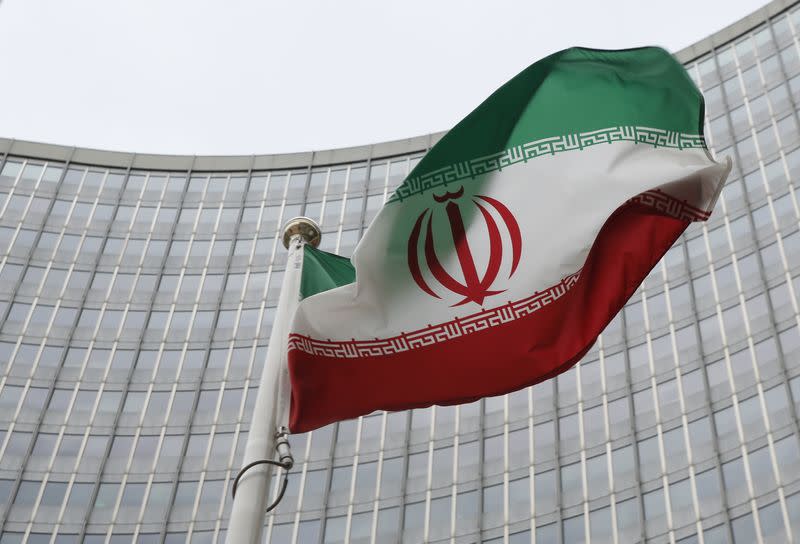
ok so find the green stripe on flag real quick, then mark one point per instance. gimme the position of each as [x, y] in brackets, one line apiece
[323, 271]
[569, 94]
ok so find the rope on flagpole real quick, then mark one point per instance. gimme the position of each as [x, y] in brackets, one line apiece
[265, 462]
[286, 462]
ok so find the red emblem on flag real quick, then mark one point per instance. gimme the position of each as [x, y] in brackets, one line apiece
[475, 288]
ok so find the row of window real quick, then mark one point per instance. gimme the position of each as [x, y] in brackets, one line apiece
[123, 503]
[387, 528]
[222, 406]
[79, 406]
[752, 82]
[747, 50]
[44, 213]
[187, 365]
[80, 185]
[50, 281]
[188, 287]
[76, 406]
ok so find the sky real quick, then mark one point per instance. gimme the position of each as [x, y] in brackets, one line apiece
[253, 76]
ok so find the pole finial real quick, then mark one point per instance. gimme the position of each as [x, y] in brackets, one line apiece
[305, 227]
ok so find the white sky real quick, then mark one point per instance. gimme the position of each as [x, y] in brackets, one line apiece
[251, 76]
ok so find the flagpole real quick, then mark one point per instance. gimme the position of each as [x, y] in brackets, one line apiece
[250, 502]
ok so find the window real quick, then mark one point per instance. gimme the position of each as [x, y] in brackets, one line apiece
[545, 491]
[597, 476]
[26, 493]
[44, 445]
[624, 468]
[158, 500]
[133, 495]
[417, 471]
[144, 453]
[184, 501]
[9, 398]
[120, 450]
[389, 523]
[735, 482]
[210, 496]
[619, 417]
[771, 522]
[628, 520]
[70, 445]
[196, 448]
[104, 502]
[467, 461]
[220, 450]
[35, 399]
[573, 530]
[680, 496]
[761, 470]
[519, 498]
[674, 449]
[600, 525]
[157, 407]
[79, 497]
[314, 489]
[93, 453]
[743, 529]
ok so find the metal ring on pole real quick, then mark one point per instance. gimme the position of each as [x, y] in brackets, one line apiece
[305, 227]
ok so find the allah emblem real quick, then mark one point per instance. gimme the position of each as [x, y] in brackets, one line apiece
[476, 287]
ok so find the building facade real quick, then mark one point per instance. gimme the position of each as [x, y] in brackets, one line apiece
[137, 294]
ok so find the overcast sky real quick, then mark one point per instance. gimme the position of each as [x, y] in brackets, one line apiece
[252, 76]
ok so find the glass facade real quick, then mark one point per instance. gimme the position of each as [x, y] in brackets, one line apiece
[137, 294]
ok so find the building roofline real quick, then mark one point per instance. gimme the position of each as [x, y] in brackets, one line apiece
[733, 30]
[227, 163]
[213, 163]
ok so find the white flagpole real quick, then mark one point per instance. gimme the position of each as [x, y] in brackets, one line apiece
[249, 505]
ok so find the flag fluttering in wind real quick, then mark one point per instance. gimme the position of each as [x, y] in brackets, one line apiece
[512, 244]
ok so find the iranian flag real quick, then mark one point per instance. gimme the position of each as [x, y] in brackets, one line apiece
[512, 244]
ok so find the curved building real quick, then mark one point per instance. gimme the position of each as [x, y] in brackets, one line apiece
[137, 294]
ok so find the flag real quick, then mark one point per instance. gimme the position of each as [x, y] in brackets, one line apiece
[516, 239]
